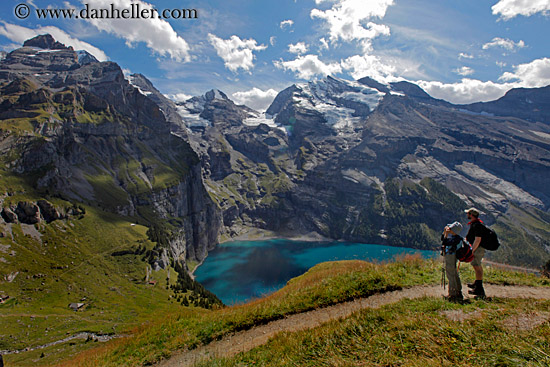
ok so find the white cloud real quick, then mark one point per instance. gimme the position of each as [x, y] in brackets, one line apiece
[178, 97]
[236, 53]
[20, 34]
[346, 20]
[508, 44]
[158, 34]
[467, 91]
[285, 24]
[10, 47]
[500, 64]
[308, 66]
[531, 75]
[368, 65]
[272, 40]
[255, 98]
[464, 71]
[463, 55]
[298, 48]
[509, 9]
[324, 44]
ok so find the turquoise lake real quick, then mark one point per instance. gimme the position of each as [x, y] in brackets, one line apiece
[239, 271]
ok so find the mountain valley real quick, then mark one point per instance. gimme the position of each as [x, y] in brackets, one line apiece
[111, 193]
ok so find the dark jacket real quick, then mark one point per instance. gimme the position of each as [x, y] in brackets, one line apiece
[450, 243]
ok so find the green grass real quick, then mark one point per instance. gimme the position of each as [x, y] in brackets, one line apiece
[415, 333]
[323, 285]
[107, 191]
[86, 117]
[73, 262]
[17, 125]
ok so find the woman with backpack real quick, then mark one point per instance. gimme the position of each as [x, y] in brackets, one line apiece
[450, 240]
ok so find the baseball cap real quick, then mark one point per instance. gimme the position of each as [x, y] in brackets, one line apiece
[472, 211]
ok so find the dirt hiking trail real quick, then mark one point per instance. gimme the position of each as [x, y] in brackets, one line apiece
[243, 341]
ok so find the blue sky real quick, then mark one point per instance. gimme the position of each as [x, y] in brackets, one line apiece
[459, 50]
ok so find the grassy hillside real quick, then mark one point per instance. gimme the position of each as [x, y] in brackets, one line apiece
[71, 261]
[422, 332]
[323, 285]
[88, 165]
[97, 259]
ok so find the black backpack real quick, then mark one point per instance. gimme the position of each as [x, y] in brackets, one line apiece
[489, 241]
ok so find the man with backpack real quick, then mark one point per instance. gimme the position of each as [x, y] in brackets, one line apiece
[475, 236]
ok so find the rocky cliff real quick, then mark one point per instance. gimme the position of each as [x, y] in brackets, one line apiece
[75, 128]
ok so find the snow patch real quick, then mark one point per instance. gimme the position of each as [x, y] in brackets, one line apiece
[217, 94]
[192, 119]
[329, 96]
[48, 51]
[130, 80]
[262, 118]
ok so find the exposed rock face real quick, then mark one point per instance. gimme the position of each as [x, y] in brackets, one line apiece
[8, 215]
[45, 41]
[92, 136]
[31, 212]
[48, 211]
[146, 88]
[28, 213]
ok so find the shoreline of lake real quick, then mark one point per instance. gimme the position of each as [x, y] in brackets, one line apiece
[238, 271]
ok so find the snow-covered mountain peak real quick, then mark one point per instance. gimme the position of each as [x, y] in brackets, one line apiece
[84, 57]
[142, 84]
[342, 103]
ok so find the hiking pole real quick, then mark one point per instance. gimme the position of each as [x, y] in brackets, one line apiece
[443, 282]
[443, 279]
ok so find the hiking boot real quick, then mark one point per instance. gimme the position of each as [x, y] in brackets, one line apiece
[454, 299]
[478, 292]
[475, 284]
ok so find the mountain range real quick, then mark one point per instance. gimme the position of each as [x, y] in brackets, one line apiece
[347, 160]
[367, 162]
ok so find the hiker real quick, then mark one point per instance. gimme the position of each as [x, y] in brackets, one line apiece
[474, 238]
[450, 240]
